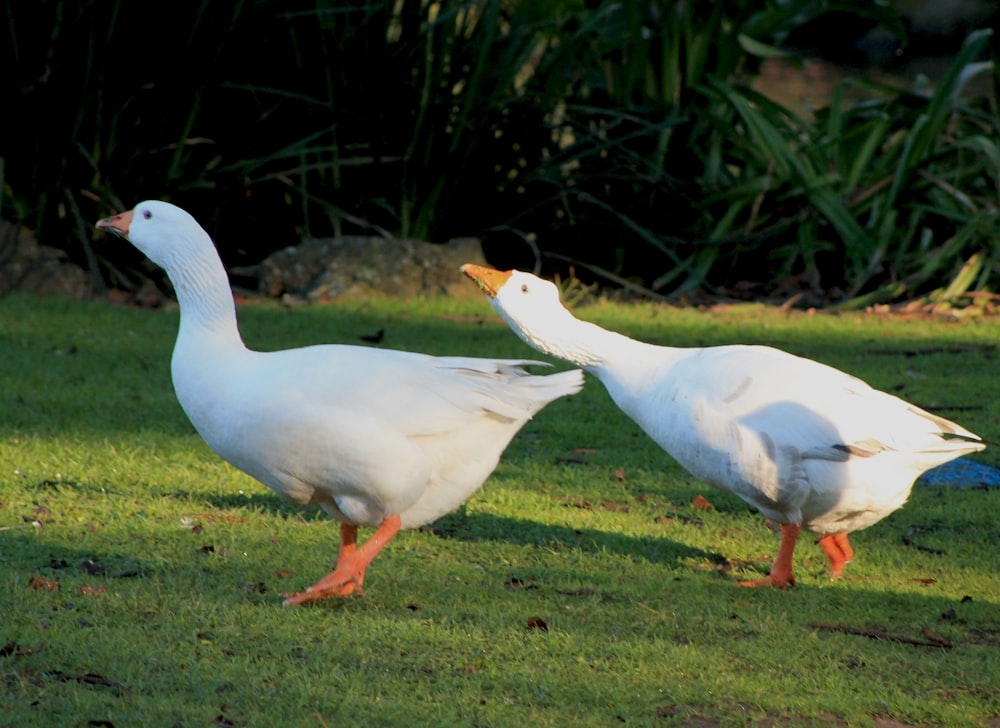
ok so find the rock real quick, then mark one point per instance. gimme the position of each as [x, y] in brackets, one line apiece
[351, 266]
[26, 266]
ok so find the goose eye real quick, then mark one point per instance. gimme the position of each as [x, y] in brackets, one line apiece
[524, 288]
[147, 214]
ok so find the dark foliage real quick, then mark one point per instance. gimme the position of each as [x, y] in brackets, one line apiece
[619, 137]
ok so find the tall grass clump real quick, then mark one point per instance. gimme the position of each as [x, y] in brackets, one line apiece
[884, 198]
[641, 140]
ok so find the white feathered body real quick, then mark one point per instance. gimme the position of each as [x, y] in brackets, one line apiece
[801, 441]
[362, 432]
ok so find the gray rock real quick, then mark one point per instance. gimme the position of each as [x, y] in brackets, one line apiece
[26, 266]
[352, 266]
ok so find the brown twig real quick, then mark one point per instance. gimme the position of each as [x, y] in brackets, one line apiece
[921, 351]
[877, 634]
[16, 650]
[907, 541]
[935, 639]
[87, 679]
[216, 517]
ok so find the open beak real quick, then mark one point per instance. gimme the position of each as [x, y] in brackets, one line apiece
[489, 280]
[117, 224]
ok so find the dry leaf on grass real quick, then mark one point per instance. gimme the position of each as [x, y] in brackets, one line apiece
[537, 623]
[700, 501]
[38, 584]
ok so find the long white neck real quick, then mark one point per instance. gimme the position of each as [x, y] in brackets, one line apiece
[208, 312]
[586, 345]
[627, 368]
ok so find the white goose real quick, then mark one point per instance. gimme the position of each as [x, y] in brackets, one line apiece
[807, 445]
[382, 438]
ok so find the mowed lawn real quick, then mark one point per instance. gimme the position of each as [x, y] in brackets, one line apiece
[591, 582]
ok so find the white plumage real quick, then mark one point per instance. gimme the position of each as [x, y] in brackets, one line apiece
[806, 444]
[376, 437]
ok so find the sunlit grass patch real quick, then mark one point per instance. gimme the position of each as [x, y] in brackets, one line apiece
[583, 585]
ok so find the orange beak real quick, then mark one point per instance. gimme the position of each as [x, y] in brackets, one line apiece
[117, 224]
[489, 280]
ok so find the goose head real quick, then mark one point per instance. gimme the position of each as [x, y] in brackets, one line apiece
[160, 230]
[530, 305]
[521, 295]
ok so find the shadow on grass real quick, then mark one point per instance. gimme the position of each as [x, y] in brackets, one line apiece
[55, 561]
[485, 527]
[461, 525]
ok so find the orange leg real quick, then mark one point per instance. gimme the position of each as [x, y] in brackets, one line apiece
[349, 573]
[781, 569]
[838, 550]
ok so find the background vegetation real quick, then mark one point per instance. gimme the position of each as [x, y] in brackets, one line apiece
[619, 136]
[140, 576]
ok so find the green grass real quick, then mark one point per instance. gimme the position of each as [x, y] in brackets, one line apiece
[635, 585]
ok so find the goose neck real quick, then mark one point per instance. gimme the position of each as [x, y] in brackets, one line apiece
[205, 298]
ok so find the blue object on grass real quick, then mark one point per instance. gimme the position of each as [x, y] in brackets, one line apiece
[962, 473]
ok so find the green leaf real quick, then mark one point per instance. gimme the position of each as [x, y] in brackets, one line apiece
[763, 50]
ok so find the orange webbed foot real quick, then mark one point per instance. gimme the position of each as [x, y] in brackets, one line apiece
[838, 552]
[775, 581]
[348, 576]
[315, 593]
[781, 571]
